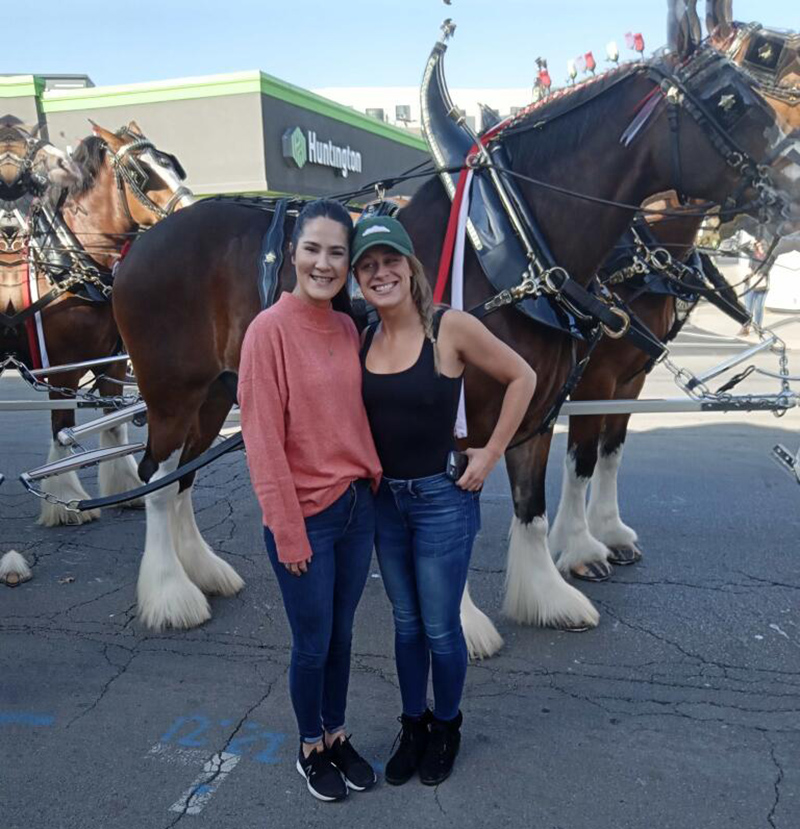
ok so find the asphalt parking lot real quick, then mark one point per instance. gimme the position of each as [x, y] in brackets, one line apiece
[679, 710]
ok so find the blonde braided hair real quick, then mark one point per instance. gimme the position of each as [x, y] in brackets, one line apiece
[422, 296]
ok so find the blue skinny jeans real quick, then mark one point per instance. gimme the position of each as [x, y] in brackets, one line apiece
[321, 606]
[424, 535]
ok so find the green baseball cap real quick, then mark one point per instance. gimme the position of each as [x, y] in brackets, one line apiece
[379, 230]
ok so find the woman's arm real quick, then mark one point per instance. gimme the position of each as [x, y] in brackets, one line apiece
[262, 400]
[477, 346]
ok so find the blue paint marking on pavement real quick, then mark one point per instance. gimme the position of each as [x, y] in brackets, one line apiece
[194, 731]
[202, 789]
[24, 718]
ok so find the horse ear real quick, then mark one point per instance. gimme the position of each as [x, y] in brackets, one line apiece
[719, 18]
[113, 141]
[134, 127]
[683, 27]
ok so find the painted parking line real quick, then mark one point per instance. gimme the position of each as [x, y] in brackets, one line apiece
[25, 718]
[214, 774]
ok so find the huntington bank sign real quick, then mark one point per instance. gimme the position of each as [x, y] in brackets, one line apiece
[304, 147]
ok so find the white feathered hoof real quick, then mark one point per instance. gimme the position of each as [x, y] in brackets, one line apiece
[210, 573]
[119, 475]
[66, 487]
[14, 569]
[481, 635]
[172, 602]
[203, 566]
[55, 515]
[536, 594]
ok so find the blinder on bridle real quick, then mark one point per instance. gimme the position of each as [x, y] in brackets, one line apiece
[128, 168]
[768, 57]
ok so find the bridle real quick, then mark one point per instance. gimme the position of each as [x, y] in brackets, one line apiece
[707, 83]
[768, 54]
[128, 169]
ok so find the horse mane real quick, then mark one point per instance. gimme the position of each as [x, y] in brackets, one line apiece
[566, 120]
[89, 156]
[565, 100]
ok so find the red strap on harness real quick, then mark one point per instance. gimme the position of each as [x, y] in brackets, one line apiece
[446, 259]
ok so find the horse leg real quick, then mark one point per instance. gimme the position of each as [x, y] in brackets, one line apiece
[603, 515]
[166, 596]
[206, 569]
[577, 550]
[120, 474]
[536, 593]
[482, 637]
[66, 487]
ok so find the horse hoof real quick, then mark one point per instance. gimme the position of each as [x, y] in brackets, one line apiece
[625, 556]
[577, 628]
[15, 579]
[596, 571]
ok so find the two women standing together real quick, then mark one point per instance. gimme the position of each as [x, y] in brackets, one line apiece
[347, 445]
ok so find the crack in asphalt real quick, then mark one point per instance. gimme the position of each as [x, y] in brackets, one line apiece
[218, 770]
[104, 690]
[776, 785]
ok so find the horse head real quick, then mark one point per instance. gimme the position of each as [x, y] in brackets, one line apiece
[29, 164]
[149, 182]
[742, 82]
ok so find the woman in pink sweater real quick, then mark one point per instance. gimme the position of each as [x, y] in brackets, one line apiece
[314, 469]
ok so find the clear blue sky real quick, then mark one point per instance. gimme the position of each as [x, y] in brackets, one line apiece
[315, 43]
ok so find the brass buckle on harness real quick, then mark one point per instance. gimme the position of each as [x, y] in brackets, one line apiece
[610, 332]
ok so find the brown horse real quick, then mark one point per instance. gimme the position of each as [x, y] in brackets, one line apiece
[593, 536]
[127, 185]
[563, 153]
[186, 293]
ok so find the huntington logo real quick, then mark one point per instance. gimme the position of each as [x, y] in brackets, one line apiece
[300, 148]
[294, 147]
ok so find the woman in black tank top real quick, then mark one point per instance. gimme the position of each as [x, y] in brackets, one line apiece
[413, 361]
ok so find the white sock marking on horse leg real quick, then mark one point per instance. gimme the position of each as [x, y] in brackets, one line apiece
[536, 593]
[119, 475]
[570, 536]
[482, 637]
[206, 569]
[166, 595]
[603, 514]
[14, 569]
[67, 487]
[198, 795]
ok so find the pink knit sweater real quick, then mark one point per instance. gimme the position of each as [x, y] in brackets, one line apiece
[303, 420]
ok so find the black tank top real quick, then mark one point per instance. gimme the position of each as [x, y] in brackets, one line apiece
[412, 413]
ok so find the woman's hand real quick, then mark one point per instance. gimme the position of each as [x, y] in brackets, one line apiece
[481, 463]
[297, 568]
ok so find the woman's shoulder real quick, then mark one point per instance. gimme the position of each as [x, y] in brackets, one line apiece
[447, 319]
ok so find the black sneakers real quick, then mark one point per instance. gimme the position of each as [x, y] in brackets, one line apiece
[413, 739]
[356, 771]
[440, 754]
[322, 777]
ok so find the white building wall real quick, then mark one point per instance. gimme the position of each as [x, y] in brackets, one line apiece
[388, 98]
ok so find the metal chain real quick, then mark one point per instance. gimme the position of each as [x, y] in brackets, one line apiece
[87, 395]
[698, 390]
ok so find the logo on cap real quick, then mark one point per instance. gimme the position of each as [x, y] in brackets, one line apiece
[376, 229]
